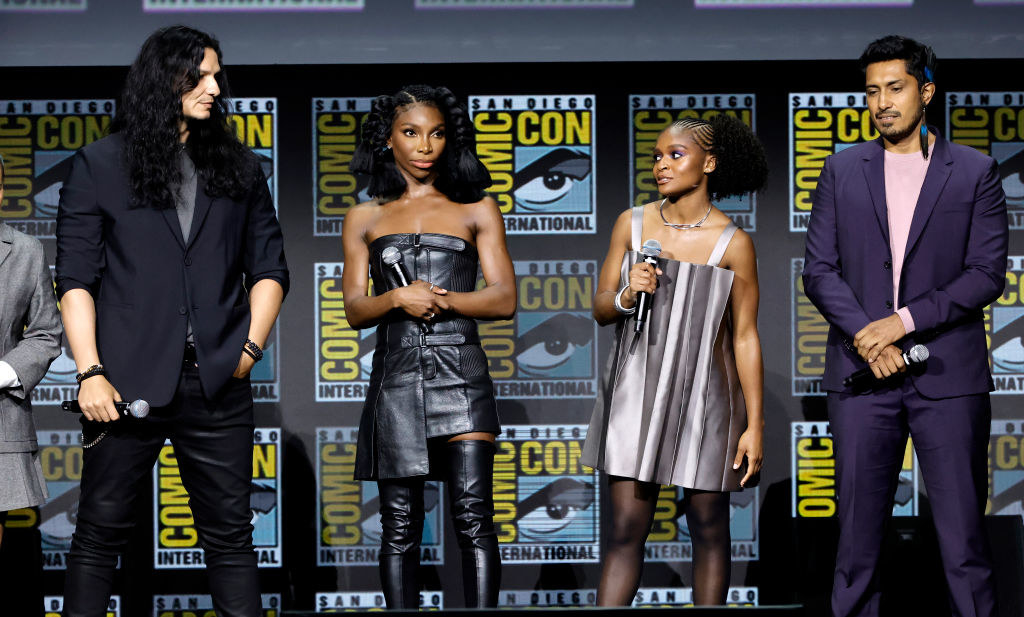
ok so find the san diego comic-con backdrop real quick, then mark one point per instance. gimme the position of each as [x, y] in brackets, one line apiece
[567, 153]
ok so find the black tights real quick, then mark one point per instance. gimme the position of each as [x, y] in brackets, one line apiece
[633, 505]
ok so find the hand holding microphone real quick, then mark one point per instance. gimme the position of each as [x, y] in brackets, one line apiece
[98, 399]
[415, 297]
[643, 281]
[867, 377]
[135, 409]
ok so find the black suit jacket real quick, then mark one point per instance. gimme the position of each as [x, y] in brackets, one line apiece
[148, 281]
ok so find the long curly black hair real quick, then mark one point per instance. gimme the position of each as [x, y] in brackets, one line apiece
[461, 175]
[149, 115]
[740, 163]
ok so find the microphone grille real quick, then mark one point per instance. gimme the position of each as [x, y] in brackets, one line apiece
[390, 256]
[651, 248]
[139, 408]
[918, 353]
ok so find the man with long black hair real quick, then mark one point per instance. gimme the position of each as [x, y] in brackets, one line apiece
[171, 273]
[907, 245]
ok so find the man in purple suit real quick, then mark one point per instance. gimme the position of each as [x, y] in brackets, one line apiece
[906, 245]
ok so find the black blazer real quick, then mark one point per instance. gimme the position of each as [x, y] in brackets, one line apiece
[147, 280]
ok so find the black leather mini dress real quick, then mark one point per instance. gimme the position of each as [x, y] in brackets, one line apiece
[423, 384]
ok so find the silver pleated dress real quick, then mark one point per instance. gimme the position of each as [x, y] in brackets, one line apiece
[670, 409]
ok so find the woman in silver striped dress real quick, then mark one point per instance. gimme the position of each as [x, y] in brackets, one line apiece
[681, 400]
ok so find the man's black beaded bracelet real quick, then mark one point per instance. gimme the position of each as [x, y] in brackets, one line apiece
[92, 371]
[252, 350]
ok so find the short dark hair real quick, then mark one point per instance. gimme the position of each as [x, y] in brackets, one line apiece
[919, 58]
[462, 177]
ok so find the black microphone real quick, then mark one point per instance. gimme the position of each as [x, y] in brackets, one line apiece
[650, 252]
[134, 409]
[864, 378]
[392, 258]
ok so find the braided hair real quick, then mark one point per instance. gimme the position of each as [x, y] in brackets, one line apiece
[461, 175]
[740, 164]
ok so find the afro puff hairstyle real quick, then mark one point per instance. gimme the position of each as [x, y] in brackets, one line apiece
[740, 164]
[461, 175]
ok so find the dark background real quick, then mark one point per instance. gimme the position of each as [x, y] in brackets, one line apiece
[696, 51]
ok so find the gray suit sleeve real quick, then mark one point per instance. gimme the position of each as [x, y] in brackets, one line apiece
[32, 356]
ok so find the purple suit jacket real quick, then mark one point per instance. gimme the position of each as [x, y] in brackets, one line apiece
[954, 266]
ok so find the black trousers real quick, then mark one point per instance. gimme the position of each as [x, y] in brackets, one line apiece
[213, 440]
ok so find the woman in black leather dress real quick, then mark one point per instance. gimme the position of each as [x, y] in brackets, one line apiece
[430, 410]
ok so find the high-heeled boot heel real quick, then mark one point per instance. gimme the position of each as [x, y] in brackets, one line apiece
[401, 515]
[471, 497]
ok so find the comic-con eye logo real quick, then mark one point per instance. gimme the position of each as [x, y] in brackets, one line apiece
[669, 539]
[175, 536]
[665, 597]
[993, 122]
[1004, 329]
[545, 501]
[37, 139]
[1006, 468]
[60, 456]
[202, 605]
[336, 129]
[53, 606]
[540, 153]
[549, 349]
[650, 114]
[808, 337]
[820, 124]
[348, 524]
[344, 356]
[814, 474]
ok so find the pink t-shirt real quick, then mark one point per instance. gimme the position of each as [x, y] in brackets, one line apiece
[904, 176]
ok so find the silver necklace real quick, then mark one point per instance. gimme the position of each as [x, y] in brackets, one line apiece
[661, 211]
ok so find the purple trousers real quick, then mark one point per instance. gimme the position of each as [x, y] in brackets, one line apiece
[951, 438]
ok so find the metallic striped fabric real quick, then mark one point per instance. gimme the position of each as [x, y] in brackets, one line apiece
[670, 408]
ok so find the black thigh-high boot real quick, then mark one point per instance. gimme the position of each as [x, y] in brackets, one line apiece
[401, 517]
[471, 496]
